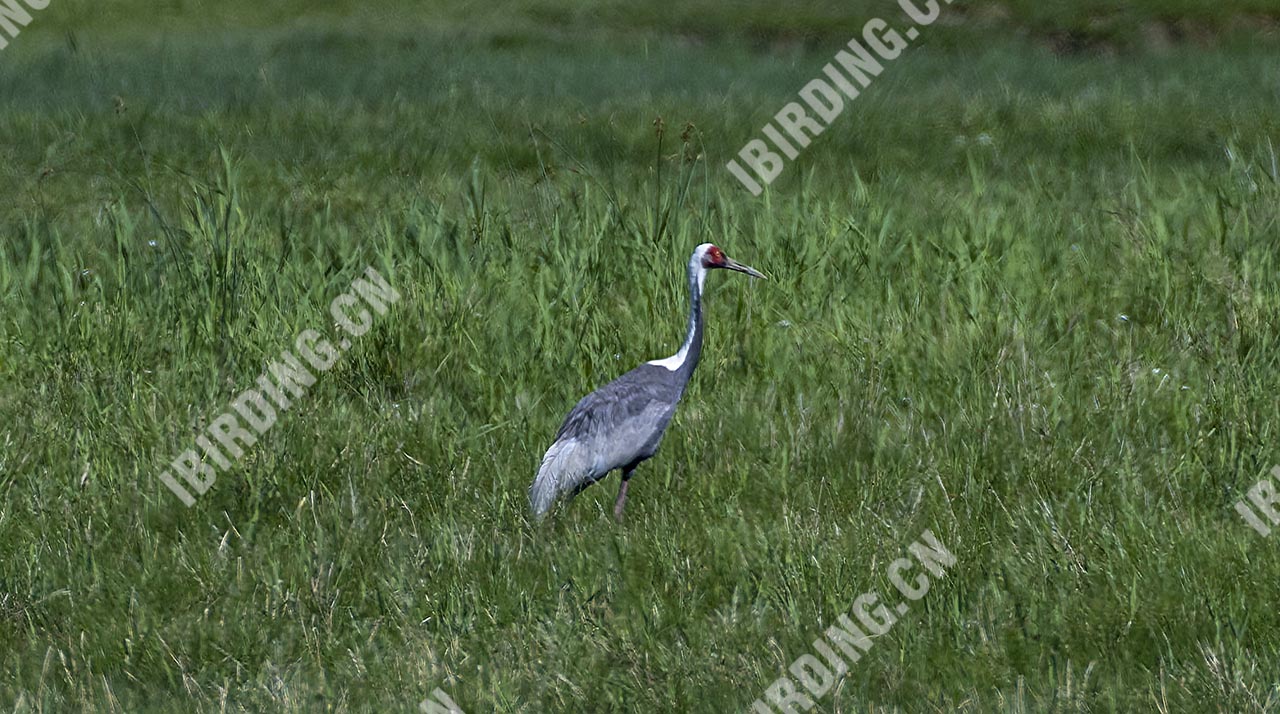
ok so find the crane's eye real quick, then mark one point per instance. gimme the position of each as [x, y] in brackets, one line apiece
[716, 255]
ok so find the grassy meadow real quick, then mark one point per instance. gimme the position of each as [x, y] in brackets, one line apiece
[1025, 293]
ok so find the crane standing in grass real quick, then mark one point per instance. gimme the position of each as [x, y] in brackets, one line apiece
[621, 424]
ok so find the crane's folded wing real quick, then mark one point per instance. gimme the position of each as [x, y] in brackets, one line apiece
[646, 393]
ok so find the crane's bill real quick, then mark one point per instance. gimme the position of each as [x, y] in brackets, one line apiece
[732, 264]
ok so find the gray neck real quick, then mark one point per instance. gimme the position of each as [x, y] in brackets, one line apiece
[692, 347]
[683, 362]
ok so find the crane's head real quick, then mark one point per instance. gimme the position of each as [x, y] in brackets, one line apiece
[710, 257]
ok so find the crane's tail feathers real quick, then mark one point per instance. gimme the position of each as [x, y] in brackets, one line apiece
[564, 466]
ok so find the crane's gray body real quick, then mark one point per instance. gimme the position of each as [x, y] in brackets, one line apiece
[614, 427]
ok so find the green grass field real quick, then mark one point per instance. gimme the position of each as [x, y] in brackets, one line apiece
[1024, 293]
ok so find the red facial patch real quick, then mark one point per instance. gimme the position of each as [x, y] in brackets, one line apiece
[715, 256]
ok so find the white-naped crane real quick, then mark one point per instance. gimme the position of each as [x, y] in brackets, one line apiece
[621, 424]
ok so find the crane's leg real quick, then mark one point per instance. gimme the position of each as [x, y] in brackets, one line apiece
[622, 494]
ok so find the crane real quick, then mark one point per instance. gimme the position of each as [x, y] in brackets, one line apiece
[621, 424]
